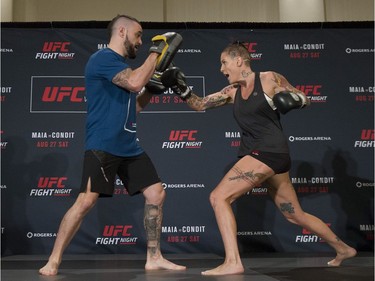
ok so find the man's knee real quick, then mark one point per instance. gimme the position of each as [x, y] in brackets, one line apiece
[155, 194]
[86, 201]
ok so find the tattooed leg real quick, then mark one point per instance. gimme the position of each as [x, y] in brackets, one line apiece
[251, 177]
[152, 222]
[287, 207]
[316, 226]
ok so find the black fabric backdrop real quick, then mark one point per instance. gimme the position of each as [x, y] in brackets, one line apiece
[332, 142]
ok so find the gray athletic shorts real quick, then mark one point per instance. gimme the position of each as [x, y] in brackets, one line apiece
[136, 172]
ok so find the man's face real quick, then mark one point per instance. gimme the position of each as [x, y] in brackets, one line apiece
[133, 40]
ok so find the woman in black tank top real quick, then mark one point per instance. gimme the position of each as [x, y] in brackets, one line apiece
[258, 100]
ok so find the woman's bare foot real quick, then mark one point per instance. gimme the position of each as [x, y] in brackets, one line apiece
[161, 263]
[225, 269]
[340, 257]
[50, 269]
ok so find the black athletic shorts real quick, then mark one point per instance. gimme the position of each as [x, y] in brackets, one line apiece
[101, 167]
[278, 162]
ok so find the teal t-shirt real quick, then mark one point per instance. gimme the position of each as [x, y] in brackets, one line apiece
[111, 110]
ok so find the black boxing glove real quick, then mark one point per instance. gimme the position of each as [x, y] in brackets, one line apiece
[175, 79]
[167, 46]
[286, 101]
[155, 86]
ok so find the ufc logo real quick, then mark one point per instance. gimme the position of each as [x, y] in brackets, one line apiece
[307, 232]
[46, 182]
[116, 230]
[367, 135]
[250, 47]
[58, 94]
[183, 134]
[55, 46]
[313, 89]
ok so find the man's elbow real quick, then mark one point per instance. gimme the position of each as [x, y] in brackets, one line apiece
[132, 85]
[135, 87]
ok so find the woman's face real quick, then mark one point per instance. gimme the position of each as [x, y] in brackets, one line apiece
[229, 67]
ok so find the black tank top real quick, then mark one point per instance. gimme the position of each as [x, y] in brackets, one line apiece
[259, 123]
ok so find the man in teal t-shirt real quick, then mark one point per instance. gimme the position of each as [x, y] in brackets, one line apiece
[111, 120]
[115, 93]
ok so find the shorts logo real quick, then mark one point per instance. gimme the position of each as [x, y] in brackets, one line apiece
[255, 152]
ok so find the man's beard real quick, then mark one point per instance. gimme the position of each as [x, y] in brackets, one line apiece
[130, 49]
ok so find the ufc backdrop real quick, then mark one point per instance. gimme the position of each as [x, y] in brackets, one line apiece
[332, 142]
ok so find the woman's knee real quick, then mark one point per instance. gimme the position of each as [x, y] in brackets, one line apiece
[212, 199]
[216, 197]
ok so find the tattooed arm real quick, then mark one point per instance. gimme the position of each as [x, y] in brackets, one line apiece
[273, 83]
[135, 80]
[225, 96]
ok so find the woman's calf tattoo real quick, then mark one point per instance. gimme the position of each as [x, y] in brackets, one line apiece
[287, 207]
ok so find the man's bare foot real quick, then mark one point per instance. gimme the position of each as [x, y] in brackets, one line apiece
[161, 263]
[50, 269]
[340, 257]
[225, 269]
